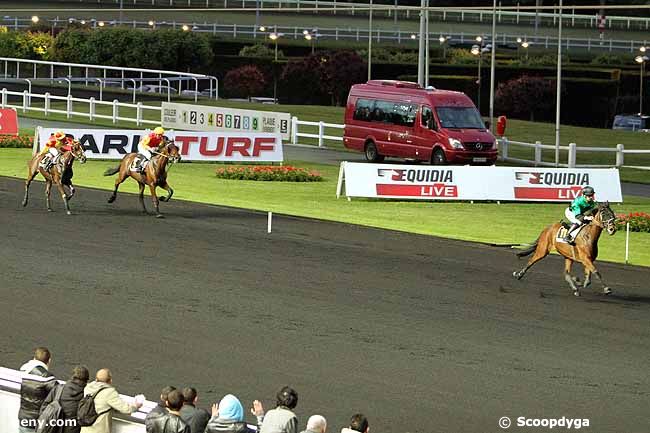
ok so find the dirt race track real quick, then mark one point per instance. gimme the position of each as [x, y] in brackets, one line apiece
[421, 334]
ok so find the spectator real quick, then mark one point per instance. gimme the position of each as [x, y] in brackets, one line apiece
[171, 422]
[72, 393]
[228, 416]
[196, 418]
[358, 423]
[316, 424]
[282, 419]
[161, 408]
[35, 387]
[107, 401]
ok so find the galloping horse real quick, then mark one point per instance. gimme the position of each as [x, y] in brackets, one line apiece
[154, 174]
[585, 250]
[59, 174]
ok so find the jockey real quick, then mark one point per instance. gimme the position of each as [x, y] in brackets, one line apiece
[55, 145]
[148, 143]
[577, 210]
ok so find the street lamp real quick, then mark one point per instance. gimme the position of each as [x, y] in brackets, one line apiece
[186, 28]
[35, 19]
[525, 45]
[443, 41]
[641, 61]
[152, 24]
[274, 37]
[413, 37]
[100, 24]
[478, 50]
[312, 37]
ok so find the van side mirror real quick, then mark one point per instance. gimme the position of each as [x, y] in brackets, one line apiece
[487, 124]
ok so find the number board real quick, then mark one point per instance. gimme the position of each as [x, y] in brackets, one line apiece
[191, 117]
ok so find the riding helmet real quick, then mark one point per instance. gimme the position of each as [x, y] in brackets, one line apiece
[588, 191]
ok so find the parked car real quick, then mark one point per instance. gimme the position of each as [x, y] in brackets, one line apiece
[632, 122]
[403, 120]
[162, 89]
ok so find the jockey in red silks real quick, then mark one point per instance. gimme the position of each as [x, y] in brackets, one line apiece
[55, 145]
[147, 144]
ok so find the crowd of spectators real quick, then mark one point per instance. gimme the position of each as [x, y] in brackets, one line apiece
[176, 411]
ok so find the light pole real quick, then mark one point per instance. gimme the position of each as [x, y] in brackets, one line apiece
[478, 50]
[525, 45]
[426, 46]
[443, 41]
[274, 37]
[493, 61]
[558, 89]
[641, 61]
[370, 40]
[422, 43]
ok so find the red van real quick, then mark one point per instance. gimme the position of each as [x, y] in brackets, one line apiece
[403, 120]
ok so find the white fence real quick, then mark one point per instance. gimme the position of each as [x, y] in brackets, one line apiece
[320, 133]
[505, 147]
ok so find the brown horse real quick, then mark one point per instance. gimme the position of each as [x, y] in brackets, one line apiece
[154, 174]
[60, 174]
[584, 251]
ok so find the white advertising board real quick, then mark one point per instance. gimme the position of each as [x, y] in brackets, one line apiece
[477, 183]
[190, 117]
[194, 146]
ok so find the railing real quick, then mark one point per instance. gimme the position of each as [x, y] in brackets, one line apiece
[91, 113]
[320, 135]
[505, 146]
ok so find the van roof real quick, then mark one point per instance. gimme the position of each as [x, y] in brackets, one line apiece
[411, 92]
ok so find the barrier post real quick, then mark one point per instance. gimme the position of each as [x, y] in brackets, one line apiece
[627, 242]
[572, 155]
[138, 114]
[538, 153]
[504, 149]
[620, 154]
[4, 97]
[68, 106]
[91, 109]
[321, 132]
[294, 130]
[115, 110]
[46, 110]
[25, 99]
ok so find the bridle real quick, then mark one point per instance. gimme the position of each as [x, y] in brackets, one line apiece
[607, 224]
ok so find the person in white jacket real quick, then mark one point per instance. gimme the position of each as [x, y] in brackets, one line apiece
[107, 401]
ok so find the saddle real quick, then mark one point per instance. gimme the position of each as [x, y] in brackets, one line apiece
[49, 161]
[564, 229]
[139, 163]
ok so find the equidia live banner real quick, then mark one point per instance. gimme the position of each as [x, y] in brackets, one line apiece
[194, 146]
[476, 183]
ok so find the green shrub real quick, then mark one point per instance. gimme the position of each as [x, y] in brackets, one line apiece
[259, 50]
[16, 141]
[608, 59]
[639, 222]
[285, 173]
[244, 82]
[459, 56]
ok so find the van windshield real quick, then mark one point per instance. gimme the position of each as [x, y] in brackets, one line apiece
[460, 117]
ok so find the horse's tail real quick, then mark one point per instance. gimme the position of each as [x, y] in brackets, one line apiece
[528, 251]
[111, 171]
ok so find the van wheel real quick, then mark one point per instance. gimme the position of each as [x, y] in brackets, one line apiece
[438, 157]
[372, 154]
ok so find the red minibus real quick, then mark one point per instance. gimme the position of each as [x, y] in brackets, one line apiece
[403, 120]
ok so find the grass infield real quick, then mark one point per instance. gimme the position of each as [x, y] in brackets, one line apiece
[505, 223]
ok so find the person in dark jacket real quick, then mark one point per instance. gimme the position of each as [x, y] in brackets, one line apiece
[228, 416]
[73, 392]
[171, 422]
[161, 407]
[35, 387]
[195, 417]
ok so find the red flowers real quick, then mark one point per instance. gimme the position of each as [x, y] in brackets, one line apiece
[639, 221]
[16, 141]
[283, 173]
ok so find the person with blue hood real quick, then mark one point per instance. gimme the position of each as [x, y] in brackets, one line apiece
[228, 416]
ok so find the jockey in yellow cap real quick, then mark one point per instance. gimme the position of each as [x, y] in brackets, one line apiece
[55, 144]
[147, 144]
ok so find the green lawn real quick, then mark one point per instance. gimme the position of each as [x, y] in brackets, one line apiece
[483, 222]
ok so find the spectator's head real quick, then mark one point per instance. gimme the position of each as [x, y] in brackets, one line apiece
[104, 375]
[317, 423]
[230, 408]
[287, 397]
[42, 354]
[80, 373]
[174, 400]
[165, 391]
[190, 395]
[359, 423]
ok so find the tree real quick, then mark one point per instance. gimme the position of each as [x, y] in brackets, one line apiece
[526, 97]
[244, 82]
[339, 71]
[300, 81]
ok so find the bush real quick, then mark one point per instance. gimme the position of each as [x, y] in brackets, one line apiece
[244, 82]
[608, 59]
[526, 97]
[34, 45]
[459, 56]
[339, 71]
[16, 141]
[639, 222]
[259, 50]
[301, 83]
[285, 173]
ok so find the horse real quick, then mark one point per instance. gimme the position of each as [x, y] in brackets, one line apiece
[584, 251]
[60, 174]
[154, 174]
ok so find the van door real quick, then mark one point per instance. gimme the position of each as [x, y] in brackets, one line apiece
[427, 133]
[402, 134]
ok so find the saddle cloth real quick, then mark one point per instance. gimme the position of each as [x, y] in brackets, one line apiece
[138, 164]
[564, 228]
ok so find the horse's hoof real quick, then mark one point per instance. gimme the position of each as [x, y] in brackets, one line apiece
[111, 200]
[576, 293]
[68, 212]
[160, 215]
[50, 210]
[607, 291]
[163, 199]
[517, 275]
[24, 203]
[576, 280]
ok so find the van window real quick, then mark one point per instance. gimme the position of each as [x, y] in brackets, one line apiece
[460, 117]
[404, 114]
[383, 112]
[362, 110]
[427, 115]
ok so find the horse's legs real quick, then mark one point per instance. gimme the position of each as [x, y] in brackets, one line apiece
[141, 197]
[170, 192]
[587, 281]
[121, 177]
[589, 267]
[567, 276]
[538, 255]
[48, 188]
[31, 174]
[64, 197]
[154, 199]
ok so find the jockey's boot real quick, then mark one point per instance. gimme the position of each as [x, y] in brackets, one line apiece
[567, 238]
